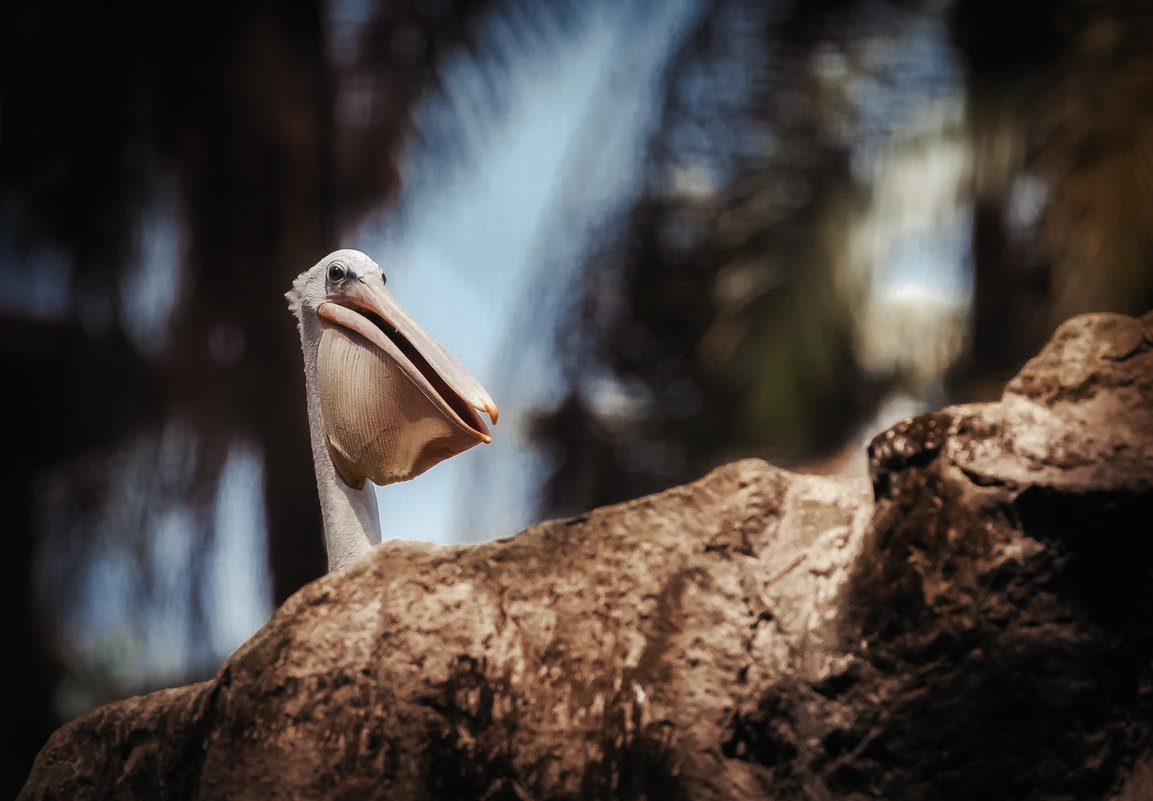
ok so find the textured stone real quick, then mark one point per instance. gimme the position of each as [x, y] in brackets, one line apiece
[982, 629]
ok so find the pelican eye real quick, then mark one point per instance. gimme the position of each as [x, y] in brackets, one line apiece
[337, 271]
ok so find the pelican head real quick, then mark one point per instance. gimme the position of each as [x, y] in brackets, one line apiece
[392, 400]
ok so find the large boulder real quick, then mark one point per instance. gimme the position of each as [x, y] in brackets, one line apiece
[975, 622]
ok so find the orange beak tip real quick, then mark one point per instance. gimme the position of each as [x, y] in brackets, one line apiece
[493, 412]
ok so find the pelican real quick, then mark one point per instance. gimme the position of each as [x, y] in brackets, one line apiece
[385, 400]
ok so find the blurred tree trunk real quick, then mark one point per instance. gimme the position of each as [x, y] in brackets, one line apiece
[256, 170]
[52, 415]
[1058, 96]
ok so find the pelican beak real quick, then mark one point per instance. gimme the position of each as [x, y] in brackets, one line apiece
[393, 401]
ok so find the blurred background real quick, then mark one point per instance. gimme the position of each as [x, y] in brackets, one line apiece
[664, 235]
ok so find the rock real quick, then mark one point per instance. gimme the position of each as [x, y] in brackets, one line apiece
[982, 630]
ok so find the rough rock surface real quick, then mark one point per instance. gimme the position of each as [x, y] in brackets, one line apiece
[982, 630]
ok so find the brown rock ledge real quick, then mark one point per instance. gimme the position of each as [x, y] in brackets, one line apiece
[982, 630]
